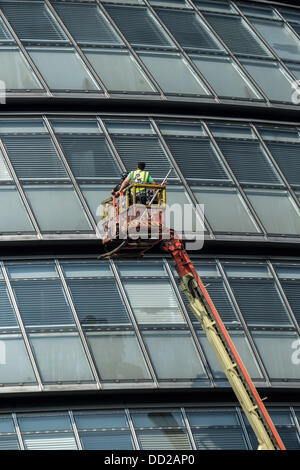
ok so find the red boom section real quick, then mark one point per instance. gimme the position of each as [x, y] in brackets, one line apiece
[184, 266]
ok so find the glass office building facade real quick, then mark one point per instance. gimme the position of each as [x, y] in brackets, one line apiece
[106, 354]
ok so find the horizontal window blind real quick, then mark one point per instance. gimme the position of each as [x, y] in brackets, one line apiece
[134, 148]
[50, 442]
[167, 439]
[219, 439]
[288, 158]
[249, 162]
[107, 440]
[4, 33]
[9, 443]
[98, 301]
[187, 28]
[32, 21]
[197, 159]
[34, 157]
[138, 25]
[42, 303]
[288, 435]
[7, 314]
[236, 34]
[89, 156]
[94, 29]
[260, 302]
[292, 291]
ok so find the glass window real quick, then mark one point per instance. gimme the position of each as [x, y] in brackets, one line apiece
[51, 441]
[43, 303]
[60, 357]
[291, 289]
[170, 3]
[87, 269]
[244, 350]
[232, 131]
[163, 439]
[237, 35]
[290, 15]
[225, 210]
[181, 128]
[174, 355]
[22, 16]
[189, 29]
[280, 38]
[89, 156]
[156, 419]
[4, 33]
[34, 157]
[100, 420]
[16, 73]
[226, 78]
[7, 313]
[113, 440]
[154, 303]
[212, 418]
[247, 270]
[76, 126]
[129, 126]
[295, 69]
[4, 171]
[95, 29]
[44, 422]
[173, 73]
[9, 443]
[220, 439]
[288, 272]
[118, 356]
[15, 366]
[286, 155]
[269, 204]
[31, 270]
[249, 162]
[109, 62]
[280, 353]
[221, 6]
[272, 79]
[257, 11]
[187, 219]
[143, 268]
[94, 195]
[63, 69]
[57, 208]
[22, 126]
[13, 215]
[138, 26]
[281, 134]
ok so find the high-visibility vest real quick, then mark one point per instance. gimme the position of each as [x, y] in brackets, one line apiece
[139, 176]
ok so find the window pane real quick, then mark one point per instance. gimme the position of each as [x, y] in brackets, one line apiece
[212, 418]
[221, 6]
[173, 74]
[108, 63]
[7, 313]
[154, 303]
[100, 420]
[60, 357]
[76, 126]
[187, 220]
[87, 269]
[118, 356]
[138, 26]
[9, 443]
[115, 440]
[142, 269]
[34, 157]
[16, 72]
[6, 424]
[95, 29]
[57, 441]
[220, 439]
[271, 78]
[15, 366]
[280, 38]
[292, 291]
[226, 78]
[13, 215]
[174, 355]
[279, 353]
[94, 195]
[4, 171]
[57, 208]
[43, 302]
[44, 423]
[225, 210]
[287, 156]
[165, 439]
[63, 69]
[157, 419]
[31, 270]
[189, 30]
[247, 270]
[269, 204]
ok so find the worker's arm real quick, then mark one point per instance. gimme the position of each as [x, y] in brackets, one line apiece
[125, 183]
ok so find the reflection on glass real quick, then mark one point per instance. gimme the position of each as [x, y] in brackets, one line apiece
[13, 215]
[16, 72]
[15, 366]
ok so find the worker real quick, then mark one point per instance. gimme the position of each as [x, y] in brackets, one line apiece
[118, 186]
[138, 176]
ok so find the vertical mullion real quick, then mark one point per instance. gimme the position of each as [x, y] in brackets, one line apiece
[185, 55]
[75, 430]
[282, 293]
[131, 426]
[130, 48]
[26, 55]
[277, 167]
[236, 181]
[243, 426]
[111, 143]
[183, 179]
[188, 428]
[18, 432]
[134, 323]
[22, 327]
[58, 148]
[296, 420]
[231, 54]
[77, 48]
[243, 323]
[81, 334]
[189, 322]
[21, 191]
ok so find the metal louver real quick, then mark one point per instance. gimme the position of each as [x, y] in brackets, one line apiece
[292, 291]
[219, 439]
[107, 440]
[9, 443]
[166, 439]
[89, 156]
[57, 441]
[7, 314]
[34, 157]
[248, 161]
[98, 301]
[288, 158]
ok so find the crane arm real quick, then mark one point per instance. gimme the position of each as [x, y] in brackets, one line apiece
[236, 373]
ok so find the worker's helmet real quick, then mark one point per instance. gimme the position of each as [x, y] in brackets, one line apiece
[123, 175]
